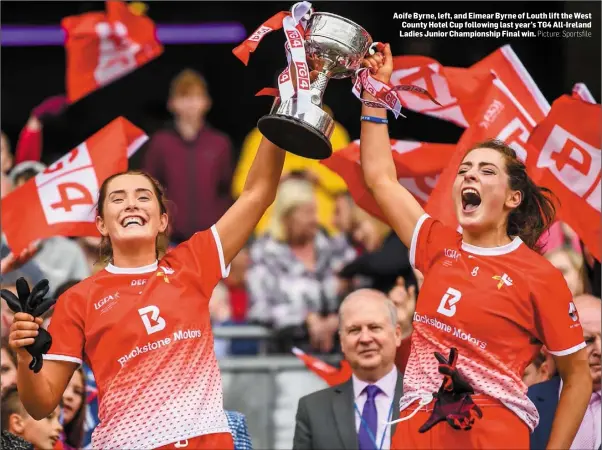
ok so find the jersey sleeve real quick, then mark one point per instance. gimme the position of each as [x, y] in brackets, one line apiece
[67, 329]
[203, 252]
[430, 238]
[556, 319]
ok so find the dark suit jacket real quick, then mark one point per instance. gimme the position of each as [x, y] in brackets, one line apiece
[325, 419]
[545, 397]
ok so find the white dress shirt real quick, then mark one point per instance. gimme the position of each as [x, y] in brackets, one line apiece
[383, 403]
[589, 435]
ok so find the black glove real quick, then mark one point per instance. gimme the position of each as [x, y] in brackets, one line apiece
[32, 303]
[453, 403]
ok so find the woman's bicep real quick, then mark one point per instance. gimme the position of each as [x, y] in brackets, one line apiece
[399, 207]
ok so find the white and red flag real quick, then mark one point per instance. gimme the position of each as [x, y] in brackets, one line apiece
[460, 91]
[566, 158]
[61, 201]
[102, 47]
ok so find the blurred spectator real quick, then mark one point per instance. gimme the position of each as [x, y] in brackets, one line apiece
[43, 434]
[236, 285]
[591, 273]
[7, 313]
[60, 290]
[367, 232]
[559, 235]
[545, 395]
[59, 258]
[383, 265]
[6, 186]
[219, 311]
[570, 264]
[192, 160]
[90, 245]
[240, 432]
[383, 257]
[404, 300]
[328, 183]
[342, 220]
[12, 442]
[24, 171]
[292, 281]
[370, 337]
[8, 363]
[232, 299]
[64, 287]
[6, 156]
[74, 411]
[13, 266]
[541, 369]
[29, 146]
[92, 419]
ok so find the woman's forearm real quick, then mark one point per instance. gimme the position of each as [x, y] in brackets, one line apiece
[375, 144]
[264, 174]
[35, 391]
[572, 404]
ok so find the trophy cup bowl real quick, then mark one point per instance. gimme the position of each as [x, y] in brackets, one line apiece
[334, 47]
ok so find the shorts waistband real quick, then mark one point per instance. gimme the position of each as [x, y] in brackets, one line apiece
[480, 399]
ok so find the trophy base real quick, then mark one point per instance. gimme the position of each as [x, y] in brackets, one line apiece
[294, 136]
[306, 135]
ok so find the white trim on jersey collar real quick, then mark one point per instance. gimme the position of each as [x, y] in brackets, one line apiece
[131, 270]
[493, 251]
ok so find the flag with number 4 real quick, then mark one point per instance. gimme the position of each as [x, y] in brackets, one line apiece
[102, 47]
[61, 201]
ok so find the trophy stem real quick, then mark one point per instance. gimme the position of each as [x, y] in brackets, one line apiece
[318, 87]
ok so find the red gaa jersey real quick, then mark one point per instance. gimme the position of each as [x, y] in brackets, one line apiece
[146, 334]
[497, 306]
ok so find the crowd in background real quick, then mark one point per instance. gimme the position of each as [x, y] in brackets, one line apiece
[312, 248]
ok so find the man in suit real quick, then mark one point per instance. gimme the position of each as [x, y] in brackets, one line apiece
[352, 415]
[545, 395]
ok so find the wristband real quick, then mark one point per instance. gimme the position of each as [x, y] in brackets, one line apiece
[374, 119]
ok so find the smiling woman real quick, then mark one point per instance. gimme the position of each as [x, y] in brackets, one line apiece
[145, 399]
[483, 284]
[117, 224]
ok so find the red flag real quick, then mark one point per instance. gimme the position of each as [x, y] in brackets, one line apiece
[102, 47]
[61, 200]
[417, 164]
[510, 70]
[331, 375]
[457, 90]
[581, 91]
[501, 117]
[566, 157]
[249, 45]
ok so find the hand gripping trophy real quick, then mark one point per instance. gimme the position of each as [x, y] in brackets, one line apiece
[326, 46]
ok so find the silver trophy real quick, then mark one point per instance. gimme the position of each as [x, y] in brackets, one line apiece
[334, 47]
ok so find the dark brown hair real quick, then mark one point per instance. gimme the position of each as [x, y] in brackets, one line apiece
[74, 430]
[162, 241]
[536, 211]
[11, 404]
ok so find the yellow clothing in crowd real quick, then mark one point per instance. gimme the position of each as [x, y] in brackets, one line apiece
[329, 182]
